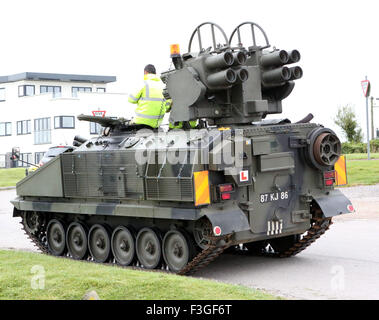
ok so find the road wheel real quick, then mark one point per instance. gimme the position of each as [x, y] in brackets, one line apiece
[77, 242]
[99, 243]
[56, 237]
[123, 246]
[177, 250]
[148, 247]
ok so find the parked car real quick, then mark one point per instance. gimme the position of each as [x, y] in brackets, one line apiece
[49, 154]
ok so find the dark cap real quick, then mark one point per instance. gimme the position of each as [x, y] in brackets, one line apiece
[150, 69]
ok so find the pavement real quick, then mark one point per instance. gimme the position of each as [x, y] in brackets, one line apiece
[342, 264]
[11, 235]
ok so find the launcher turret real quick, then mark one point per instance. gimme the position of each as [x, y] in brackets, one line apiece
[230, 85]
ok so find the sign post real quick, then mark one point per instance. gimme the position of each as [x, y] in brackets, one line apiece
[366, 92]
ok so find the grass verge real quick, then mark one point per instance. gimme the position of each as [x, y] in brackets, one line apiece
[363, 172]
[361, 156]
[9, 177]
[69, 279]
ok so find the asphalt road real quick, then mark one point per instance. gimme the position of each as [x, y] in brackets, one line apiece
[342, 264]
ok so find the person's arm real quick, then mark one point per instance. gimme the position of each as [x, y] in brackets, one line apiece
[168, 104]
[133, 98]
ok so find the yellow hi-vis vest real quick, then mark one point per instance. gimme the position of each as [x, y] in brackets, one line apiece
[193, 123]
[179, 125]
[151, 106]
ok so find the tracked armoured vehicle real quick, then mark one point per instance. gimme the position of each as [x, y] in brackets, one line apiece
[177, 199]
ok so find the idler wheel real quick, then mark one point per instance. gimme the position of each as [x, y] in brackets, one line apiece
[56, 237]
[148, 247]
[176, 250]
[77, 242]
[201, 233]
[99, 243]
[327, 149]
[123, 245]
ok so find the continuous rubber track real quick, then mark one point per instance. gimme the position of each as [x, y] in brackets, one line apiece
[318, 228]
[216, 247]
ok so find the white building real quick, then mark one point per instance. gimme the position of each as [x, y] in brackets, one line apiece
[39, 110]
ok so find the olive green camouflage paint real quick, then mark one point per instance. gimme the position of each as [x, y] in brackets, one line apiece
[128, 189]
[146, 177]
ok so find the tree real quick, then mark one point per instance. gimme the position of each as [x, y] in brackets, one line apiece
[346, 120]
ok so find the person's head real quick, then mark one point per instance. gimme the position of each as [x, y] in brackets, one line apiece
[150, 69]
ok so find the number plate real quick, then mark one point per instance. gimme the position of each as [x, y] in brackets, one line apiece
[274, 196]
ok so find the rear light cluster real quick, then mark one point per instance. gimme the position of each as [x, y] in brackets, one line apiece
[329, 178]
[225, 191]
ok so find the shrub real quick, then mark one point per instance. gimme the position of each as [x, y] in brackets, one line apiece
[360, 147]
[354, 147]
[374, 145]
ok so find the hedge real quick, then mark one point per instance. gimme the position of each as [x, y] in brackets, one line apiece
[360, 147]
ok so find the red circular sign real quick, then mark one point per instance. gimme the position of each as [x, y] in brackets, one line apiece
[217, 230]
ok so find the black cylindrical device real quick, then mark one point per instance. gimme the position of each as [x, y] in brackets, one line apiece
[222, 78]
[276, 58]
[221, 60]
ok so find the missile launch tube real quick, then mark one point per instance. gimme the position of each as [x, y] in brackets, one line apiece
[239, 58]
[296, 73]
[223, 78]
[221, 60]
[276, 58]
[277, 75]
[242, 74]
[294, 56]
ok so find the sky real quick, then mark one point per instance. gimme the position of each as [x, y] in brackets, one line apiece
[338, 42]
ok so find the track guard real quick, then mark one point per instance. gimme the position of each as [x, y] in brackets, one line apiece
[16, 212]
[228, 220]
[334, 203]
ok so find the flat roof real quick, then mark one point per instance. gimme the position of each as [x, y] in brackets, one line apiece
[57, 77]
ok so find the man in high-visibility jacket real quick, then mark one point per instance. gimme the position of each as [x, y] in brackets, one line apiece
[151, 105]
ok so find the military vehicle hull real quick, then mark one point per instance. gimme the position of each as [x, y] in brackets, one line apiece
[177, 199]
[273, 192]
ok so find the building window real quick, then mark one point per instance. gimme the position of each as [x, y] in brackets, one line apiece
[94, 128]
[38, 156]
[5, 128]
[2, 94]
[27, 157]
[42, 131]
[24, 127]
[55, 90]
[75, 90]
[26, 90]
[100, 89]
[64, 122]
